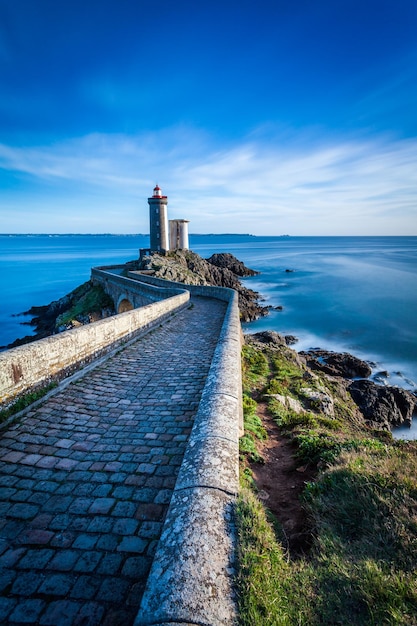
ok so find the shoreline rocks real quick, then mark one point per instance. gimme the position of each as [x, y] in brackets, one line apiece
[222, 270]
[381, 406]
[85, 304]
[341, 364]
[226, 260]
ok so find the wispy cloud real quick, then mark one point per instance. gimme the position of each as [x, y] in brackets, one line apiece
[304, 186]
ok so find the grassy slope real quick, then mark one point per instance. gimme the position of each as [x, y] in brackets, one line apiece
[361, 568]
[86, 301]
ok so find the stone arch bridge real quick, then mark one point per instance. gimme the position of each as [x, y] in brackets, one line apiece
[117, 488]
[131, 291]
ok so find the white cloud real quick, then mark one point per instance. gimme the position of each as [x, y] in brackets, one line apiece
[314, 186]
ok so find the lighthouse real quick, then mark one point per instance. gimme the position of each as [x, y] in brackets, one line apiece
[158, 221]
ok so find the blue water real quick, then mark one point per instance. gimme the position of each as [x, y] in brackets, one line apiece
[357, 294]
[36, 269]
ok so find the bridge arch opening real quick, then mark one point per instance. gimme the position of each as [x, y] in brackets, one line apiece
[124, 305]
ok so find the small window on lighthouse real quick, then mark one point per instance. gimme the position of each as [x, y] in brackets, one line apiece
[157, 211]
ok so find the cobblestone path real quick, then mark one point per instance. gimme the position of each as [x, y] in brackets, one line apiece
[86, 478]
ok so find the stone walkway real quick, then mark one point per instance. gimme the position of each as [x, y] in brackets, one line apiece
[86, 478]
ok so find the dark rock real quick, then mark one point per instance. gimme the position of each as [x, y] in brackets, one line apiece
[381, 377]
[188, 267]
[290, 340]
[381, 406]
[288, 271]
[279, 308]
[383, 374]
[269, 337]
[230, 262]
[337, 363]
[46, 318]
[20, 341]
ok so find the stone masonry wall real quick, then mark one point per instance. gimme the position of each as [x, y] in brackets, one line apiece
[209, 291]
[191, 580]
[139, 293]
[38, 363]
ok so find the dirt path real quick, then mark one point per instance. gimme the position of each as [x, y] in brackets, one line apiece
[280, 481]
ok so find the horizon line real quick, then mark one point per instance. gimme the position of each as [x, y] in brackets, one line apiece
[281, 236]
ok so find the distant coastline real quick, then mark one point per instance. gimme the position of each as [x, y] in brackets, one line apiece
[227, 235]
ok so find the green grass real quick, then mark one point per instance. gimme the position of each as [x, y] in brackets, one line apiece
[287, 377]
[267, 593]
[255, 368]
[254, 430]
[361, 569]
[86, 299]
[362, 507]
[24, 401]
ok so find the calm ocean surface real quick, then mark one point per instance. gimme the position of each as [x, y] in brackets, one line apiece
[356, 294]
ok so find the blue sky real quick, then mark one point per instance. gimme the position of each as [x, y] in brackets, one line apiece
[285, 117]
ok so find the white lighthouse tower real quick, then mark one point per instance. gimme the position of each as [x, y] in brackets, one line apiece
[158, 221]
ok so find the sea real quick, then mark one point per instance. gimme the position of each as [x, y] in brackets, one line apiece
[351, 294]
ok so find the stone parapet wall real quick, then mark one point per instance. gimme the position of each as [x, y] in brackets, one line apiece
[208, 291]
[40, 362]
[115, 284]
[191, 580]
[231, 330]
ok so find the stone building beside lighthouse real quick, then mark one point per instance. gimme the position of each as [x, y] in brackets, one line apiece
[164, 235]
[178, 234]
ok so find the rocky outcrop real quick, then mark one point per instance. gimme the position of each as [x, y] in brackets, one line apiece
[382, 406]
[230, 262]
[221, 270]
[87, 303]
[378, 406]
[272, 338]
[337, 364]
[319, 400]
[277, 342]
[78, 307]
[268, 337]
[291, 340]
[314, 396]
